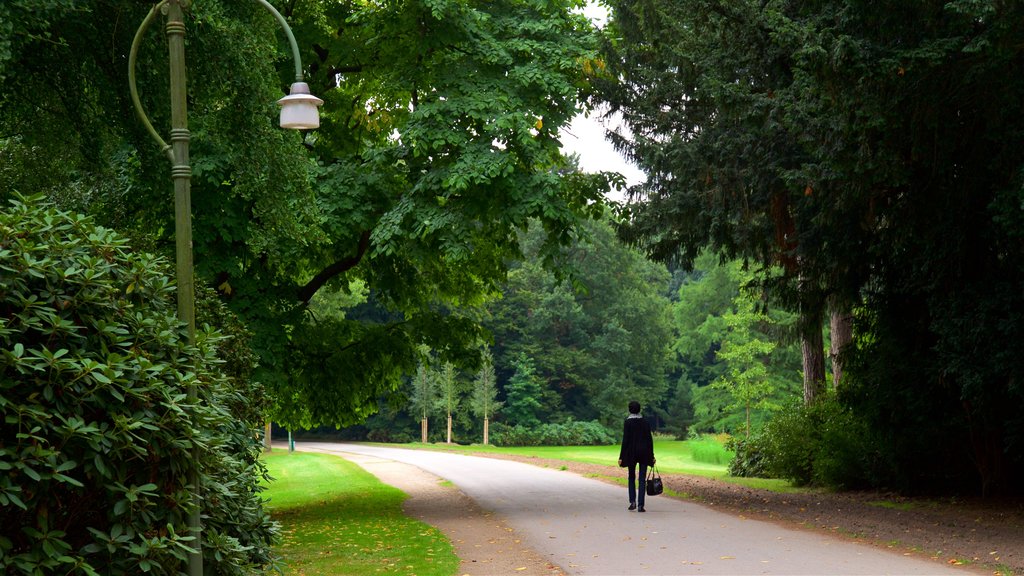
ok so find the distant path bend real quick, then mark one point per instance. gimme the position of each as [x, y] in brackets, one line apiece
[582, 525]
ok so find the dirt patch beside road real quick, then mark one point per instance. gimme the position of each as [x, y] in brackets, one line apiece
[485, 544]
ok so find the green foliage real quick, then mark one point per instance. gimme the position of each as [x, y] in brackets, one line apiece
[738, 358]
[597, 333]
[450, 388]
[522, 393]
[677, 409]
[438, 142]
[746, 356]
[570, 433]
[483, 400]
[874, 154]
[822, 445]
[98, 432]
[423, 399]
[750, 456]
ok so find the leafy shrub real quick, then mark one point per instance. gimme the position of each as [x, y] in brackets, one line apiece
[570, 433]
[822, 444]
[96, 446]
[390, 436]
[750, 457]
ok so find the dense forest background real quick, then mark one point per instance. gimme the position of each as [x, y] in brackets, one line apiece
[621, 328]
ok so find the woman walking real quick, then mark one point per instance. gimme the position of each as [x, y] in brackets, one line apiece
[637, 449]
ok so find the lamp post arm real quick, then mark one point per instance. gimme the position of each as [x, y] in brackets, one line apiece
[132, 57]
[291, 38]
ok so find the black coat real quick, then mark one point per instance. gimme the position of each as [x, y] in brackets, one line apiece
[637, 443]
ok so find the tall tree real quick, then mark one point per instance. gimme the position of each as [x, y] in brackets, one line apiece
[522, 407]
[932, 155]
[706, 88]
[874, 153]
[438, 141]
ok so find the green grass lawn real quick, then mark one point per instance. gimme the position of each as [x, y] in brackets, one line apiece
[674, 457]
[338, 519]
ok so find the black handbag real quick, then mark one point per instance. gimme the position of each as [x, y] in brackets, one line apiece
[653, 483]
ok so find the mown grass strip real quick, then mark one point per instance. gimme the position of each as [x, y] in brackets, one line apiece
[338, 519]
[674, 457]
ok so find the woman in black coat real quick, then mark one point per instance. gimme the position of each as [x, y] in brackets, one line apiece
[637, 448]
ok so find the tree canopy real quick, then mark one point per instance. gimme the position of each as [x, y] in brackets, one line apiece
[438, 141]
[874, 153]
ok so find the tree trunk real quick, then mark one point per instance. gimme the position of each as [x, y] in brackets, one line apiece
[486, 428]
[423, 430]
[812, 348]
[266, 436]
[449, 428]
[841, 332]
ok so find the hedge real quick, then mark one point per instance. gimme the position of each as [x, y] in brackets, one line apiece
[97, 437]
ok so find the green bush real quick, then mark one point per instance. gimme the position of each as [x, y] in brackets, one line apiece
[570, 433]
[388, 436]
[750, 457]
[822, 444]
[96, 446]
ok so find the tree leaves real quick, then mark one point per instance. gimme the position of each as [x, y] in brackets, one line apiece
[98, 432]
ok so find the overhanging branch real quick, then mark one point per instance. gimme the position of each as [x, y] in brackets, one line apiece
[306, 292]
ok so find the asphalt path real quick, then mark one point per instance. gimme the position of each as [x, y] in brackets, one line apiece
[582, 525]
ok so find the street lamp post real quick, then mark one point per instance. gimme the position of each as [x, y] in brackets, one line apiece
[298, 112]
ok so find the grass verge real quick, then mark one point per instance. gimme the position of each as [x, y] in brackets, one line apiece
[338, 519]
[674, 457]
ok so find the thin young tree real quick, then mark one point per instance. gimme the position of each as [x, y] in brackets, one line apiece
[423, 397]
[485, 392]
[448, 386]
[745, 354]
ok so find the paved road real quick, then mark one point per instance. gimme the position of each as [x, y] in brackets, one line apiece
[583, 526]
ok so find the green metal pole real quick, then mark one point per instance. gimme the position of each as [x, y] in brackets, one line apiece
[181, 173]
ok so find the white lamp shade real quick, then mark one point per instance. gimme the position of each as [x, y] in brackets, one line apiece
[299, 108]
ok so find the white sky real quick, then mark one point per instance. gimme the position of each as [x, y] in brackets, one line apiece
[585, 135]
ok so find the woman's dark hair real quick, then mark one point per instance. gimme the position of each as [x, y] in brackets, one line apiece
[634, 407]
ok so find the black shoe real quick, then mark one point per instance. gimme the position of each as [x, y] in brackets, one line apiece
[641, 509]
[632, 506]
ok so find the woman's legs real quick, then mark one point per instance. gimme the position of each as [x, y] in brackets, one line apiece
[631, 485]
[643, 485]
